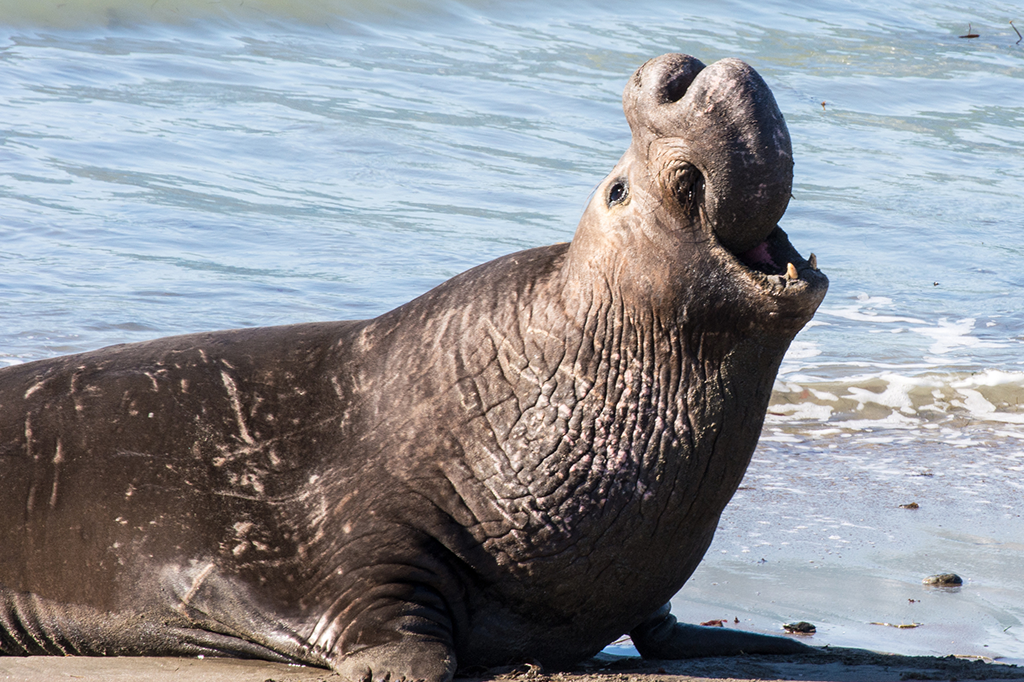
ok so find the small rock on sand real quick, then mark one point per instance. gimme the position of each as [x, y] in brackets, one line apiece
[944, 580]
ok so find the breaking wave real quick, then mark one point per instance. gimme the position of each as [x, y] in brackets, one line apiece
[943, 404]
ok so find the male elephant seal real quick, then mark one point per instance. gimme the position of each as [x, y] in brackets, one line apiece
[520, 465]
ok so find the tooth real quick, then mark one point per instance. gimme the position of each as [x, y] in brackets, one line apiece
[814, 262]
[791, 271]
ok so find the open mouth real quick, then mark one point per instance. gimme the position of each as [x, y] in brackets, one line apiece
[778, 263]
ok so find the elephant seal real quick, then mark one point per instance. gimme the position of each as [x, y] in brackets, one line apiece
[520, 465]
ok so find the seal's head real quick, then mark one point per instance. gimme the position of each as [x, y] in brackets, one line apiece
[687, 222]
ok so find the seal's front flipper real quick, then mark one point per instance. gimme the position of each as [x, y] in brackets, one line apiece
[661, 636]
[407, 660]
[389, 633]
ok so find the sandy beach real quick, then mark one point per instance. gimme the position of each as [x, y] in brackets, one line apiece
[833, 665]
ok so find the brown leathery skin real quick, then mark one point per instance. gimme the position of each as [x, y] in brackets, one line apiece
[736, 137]
[520, 465]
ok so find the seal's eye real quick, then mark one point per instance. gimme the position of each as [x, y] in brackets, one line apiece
[617, 193]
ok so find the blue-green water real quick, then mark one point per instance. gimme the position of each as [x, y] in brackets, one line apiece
[180, 166]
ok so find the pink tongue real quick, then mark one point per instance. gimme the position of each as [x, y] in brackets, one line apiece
[758, 255]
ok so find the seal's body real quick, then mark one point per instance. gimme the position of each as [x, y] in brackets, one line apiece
[522, 464]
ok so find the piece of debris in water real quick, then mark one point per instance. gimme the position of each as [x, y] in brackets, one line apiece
[970, 33]
[901, 626]
[801, 627]
[910, 505]
[715, 623]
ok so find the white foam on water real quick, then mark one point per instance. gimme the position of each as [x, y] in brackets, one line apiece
[949, 335]
[855, 313]
[799, 350]
[989, 377]
[802, 412]
[896, 395]
[891, 400]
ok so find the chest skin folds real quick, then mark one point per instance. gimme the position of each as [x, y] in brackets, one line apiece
[590, 467]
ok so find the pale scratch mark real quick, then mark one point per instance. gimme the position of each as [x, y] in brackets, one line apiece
[337, 386]
[196, 584]
[156, 386]
[502, 342]
[74, 389]
[498, 338]
[236, 405]
[58, 459]
[33, 388]
[202, 354]
[538, 331]
[30, 502]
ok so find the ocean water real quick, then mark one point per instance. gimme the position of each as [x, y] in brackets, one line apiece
[176, 166]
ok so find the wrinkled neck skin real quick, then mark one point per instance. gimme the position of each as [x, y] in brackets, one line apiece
[610, 391]
[602, 438]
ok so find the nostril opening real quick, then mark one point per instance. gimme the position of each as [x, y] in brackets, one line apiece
[661, 81]
[676, 85]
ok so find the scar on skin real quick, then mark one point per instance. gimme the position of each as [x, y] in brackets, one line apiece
[58, 459]
[33, 388]
[195, 586]
[34, 456]
[236, 405]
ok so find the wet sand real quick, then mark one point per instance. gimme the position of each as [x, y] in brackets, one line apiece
[833, 665]
[819, 531]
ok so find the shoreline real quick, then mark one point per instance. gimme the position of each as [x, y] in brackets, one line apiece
[831, 665]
